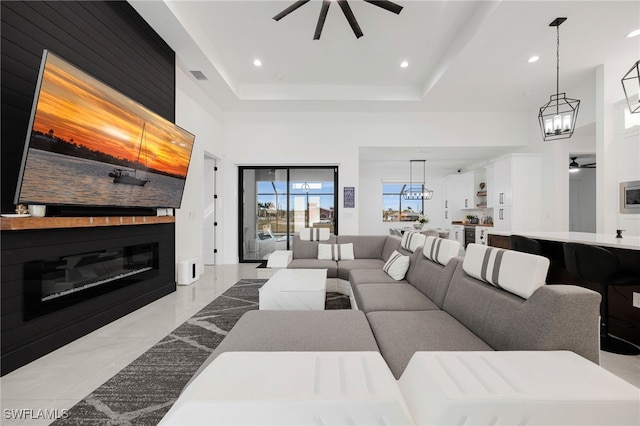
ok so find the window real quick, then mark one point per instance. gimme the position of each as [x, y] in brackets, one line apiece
[395, 207]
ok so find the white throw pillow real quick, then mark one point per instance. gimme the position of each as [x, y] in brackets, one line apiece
[412, 240]
[335, 251]
[397, 265]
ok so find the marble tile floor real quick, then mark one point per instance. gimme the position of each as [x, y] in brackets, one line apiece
[62, 378]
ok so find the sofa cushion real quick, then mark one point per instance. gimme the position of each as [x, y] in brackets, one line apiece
[345, 266]
[402, 333]
[330, 265]
[307, 249]
[370, 276]
[396, 296]
[391, 244]
[517, 272]
[335, 330]
[314, 234]
[431, 278]
[440, 250]
[412, 240]
[397, 266]
[335, 251]
[365, 246]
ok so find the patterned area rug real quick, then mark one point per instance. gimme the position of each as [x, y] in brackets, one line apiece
[143, 392]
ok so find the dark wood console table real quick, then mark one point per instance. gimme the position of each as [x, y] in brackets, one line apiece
[55, 241]
[624, 321]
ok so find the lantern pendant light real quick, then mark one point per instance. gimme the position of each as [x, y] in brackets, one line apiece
[419, 191]
[631, 87]
[558, 117]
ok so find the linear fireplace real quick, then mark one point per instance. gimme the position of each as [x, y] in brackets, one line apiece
[55, 283]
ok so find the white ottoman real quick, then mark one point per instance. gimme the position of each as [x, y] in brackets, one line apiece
[516, 388]
[280, 259]
[292, 388]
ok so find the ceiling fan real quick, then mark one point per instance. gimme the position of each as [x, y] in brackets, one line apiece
[346, 9]
[574, 166]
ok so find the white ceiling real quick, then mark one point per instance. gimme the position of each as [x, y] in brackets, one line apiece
[463, 55]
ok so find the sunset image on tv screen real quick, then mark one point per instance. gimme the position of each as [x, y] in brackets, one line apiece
[100, 147]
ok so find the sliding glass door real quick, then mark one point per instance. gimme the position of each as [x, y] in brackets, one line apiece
[276, 202]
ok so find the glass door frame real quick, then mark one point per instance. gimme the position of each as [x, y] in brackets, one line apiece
[241, 170]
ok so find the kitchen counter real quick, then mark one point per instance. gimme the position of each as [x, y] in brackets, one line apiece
[629, 242]
[489, 225]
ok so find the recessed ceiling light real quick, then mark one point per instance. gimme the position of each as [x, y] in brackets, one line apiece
[634, 33]
[533, 59]
[404, 64]
[257, 62]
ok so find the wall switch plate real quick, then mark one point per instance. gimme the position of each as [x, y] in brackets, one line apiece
[636, 299]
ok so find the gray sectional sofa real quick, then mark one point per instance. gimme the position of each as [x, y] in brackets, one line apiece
[491, 299]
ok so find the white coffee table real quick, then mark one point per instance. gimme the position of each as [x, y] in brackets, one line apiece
[295, 290]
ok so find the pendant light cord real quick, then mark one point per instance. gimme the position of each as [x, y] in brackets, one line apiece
[557, 66]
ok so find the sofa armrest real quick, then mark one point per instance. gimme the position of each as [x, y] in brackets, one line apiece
[559, 317]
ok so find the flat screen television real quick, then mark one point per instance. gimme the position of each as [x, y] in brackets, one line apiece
[89, 145]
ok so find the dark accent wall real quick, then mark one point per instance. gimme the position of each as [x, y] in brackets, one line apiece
[107, 39]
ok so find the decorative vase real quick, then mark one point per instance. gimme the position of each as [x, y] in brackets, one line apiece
[417, 225]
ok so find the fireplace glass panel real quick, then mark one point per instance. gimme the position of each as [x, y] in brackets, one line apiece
[54, 283]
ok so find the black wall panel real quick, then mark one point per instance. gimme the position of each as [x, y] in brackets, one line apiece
[22, 340]
[107, 39]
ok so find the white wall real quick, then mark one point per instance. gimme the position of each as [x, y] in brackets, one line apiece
[200, 116]
[335, 138]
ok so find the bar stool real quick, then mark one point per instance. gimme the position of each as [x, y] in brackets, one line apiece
[525, 244]
[600, 266]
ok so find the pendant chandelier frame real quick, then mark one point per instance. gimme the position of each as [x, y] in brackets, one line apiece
[631, 81]
[419, 190]
[557, 117]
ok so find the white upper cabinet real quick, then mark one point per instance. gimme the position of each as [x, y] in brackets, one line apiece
[513, 185]
[467, 190]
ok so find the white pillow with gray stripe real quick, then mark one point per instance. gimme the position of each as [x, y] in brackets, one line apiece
[516, 272]
[397, 265]
[440, 250]
[412, 240]
[314, 234]
[335, 251]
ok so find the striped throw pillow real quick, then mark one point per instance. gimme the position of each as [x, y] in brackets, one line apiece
[440, 250]
[335, 251]
[397, 265]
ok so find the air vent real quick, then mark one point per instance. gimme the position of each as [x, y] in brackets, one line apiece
[199, 75]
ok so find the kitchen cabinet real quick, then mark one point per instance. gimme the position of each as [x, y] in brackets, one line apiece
[481, 234]
[502, 182]
[457, 233]
[514, 191]
[502, 218]
[467, 190]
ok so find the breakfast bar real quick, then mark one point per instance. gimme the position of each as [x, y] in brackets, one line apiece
[624, 317]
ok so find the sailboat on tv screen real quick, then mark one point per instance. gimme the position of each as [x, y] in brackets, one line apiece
[130, 176]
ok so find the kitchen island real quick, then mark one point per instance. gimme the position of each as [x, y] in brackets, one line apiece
[624, 318]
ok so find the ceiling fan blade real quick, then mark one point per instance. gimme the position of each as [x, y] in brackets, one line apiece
[387, 5]
[321, 18]
[348, 13]
[290, 9]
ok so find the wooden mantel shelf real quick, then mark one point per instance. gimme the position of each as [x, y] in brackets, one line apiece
[23, 223]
